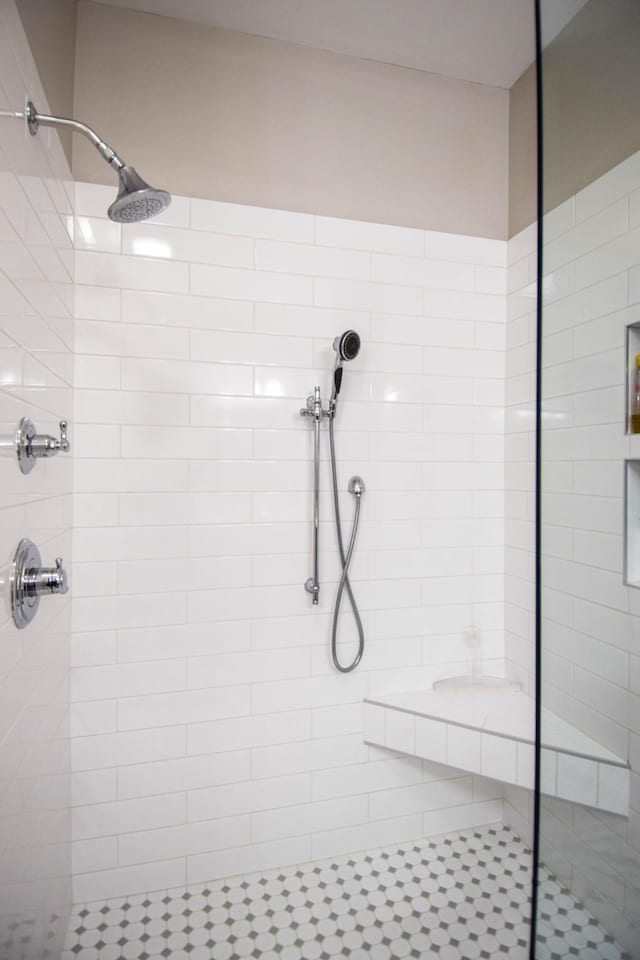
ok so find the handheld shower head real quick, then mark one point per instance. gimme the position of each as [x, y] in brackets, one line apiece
[136, 200]
[347, 345]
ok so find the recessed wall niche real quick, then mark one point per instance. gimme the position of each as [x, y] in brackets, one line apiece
[632, 523]
[633, 350]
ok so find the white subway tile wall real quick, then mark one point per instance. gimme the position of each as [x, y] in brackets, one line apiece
[36, 367]
[520, 427]
[211, 732]
[590, 619]
[519, 551]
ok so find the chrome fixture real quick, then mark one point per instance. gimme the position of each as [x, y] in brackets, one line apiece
[347, 347]
[30, 581]
[136, 200]
[314, 411]
[32, 446]
[356, 488]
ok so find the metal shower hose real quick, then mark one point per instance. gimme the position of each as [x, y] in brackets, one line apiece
[345, 560]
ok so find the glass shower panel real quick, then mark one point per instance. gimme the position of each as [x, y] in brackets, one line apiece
[589, 513]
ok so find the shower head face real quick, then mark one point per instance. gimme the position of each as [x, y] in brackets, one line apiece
[136, 200]
[347, 346]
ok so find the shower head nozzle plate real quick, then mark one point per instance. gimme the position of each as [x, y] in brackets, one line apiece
[347, 346]
[142, 205]
[136, 200]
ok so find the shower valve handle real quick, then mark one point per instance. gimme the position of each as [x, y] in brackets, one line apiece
[30, 581]
[42, 445]
[42, 581]
[32, 446]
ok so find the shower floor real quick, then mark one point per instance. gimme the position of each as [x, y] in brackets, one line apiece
[457, 897]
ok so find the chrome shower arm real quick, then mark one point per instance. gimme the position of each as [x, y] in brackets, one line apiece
[136, 200]
[35, 119]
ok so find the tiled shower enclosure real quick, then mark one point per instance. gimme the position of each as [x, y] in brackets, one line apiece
[183, 772]
[211, 733]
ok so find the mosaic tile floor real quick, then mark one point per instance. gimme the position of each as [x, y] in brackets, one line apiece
[458, 897]
[566, 930]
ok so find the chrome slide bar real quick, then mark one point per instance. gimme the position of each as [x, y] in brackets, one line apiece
[315, 412]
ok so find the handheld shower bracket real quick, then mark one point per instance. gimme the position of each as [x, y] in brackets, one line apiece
[314, 409]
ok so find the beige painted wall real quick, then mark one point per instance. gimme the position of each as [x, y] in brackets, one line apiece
[288, 126]
[591, 96]
[523, 132]
[233, 117]
[591, 107]
[50, 26]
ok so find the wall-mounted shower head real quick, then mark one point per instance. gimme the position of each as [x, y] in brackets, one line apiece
[136, 200]
[347, 345]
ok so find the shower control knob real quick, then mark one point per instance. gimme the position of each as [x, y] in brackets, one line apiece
[47, 580]
[32, 446]
[30, 581]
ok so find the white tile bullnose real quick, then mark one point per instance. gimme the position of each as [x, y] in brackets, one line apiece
[491, 733]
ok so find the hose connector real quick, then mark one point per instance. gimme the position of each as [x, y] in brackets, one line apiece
[356, 486]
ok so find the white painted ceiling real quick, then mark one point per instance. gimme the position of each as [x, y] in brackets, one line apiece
[486, 41]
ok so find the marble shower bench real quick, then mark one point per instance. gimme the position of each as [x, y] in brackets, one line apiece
[491, 733]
